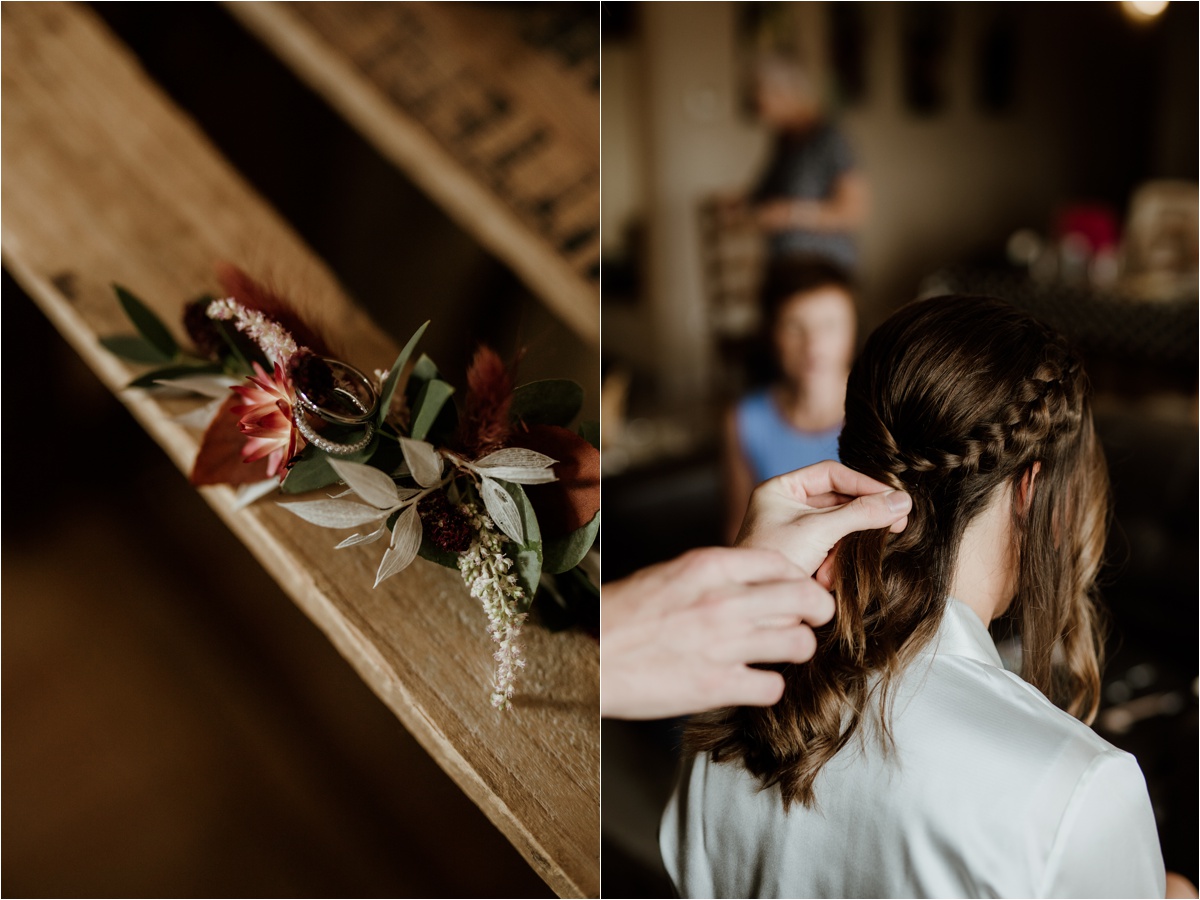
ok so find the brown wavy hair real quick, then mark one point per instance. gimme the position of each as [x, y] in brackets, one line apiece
[952, 399]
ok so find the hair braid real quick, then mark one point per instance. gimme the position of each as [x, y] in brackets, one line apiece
[1042, 408]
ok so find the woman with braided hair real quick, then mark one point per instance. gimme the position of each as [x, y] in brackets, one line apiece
[904, 760]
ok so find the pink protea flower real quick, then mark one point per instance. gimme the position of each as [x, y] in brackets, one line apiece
[266, 418]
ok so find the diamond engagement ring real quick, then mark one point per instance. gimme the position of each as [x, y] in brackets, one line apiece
[349, 398]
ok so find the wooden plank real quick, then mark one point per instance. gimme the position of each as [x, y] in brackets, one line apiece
[475, 107]
[104, 180]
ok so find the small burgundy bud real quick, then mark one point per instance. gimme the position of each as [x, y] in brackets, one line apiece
[202, 330]
[311, 375]
[445, 525]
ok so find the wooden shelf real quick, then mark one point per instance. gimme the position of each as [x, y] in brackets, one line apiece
[480, 107]
[105, 180]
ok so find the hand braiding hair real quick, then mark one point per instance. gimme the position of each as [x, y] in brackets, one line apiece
[953, 399]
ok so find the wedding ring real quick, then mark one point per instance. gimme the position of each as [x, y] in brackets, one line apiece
[358, 399]
[334, 448]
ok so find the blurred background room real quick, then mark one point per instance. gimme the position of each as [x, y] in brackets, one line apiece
[174, 724]
[1044, 153]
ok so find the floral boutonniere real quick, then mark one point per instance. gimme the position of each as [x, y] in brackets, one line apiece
[491, 482]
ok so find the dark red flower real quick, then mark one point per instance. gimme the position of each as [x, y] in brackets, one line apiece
[202, 330]
[444, 524]
[485, 426]
[311, 375]
[569, 503]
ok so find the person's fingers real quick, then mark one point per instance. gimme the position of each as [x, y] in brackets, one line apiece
[776, 604]
[738, 565]
[796, 645]
[844, 480]
[806, 537]
[1179, 886]
[752, 687]
[863, 514]
[739, 612]
[824, 501]
[828, 477]
[825, 572]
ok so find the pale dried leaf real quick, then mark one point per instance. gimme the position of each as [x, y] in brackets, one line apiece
[407, 529]
[518, 457]
[520, 474]
[200, 417]
[369, 483]
[356, 538]
[422, 460]
[503, 509]
[215, 386]
[248, 493]
[335, 513]
[406, 540]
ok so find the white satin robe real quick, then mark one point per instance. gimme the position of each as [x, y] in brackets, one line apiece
[992, 792]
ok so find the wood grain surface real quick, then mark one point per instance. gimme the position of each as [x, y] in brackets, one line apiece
[500, 130]
[105, 181]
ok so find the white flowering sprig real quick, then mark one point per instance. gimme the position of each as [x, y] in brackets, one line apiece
[275, 341]
[490, 573]
[487, 572]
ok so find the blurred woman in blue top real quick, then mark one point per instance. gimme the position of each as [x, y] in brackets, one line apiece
[794, 421]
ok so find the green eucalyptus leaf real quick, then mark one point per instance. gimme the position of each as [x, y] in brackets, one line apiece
[533, 534]
[561, 554]
[387, 456]
[312, 470]
[393, 379]
[424, 373]
[242, 351]
[134, 348]
[529, 572]
[553, 612]
[148, 324]
[434, 553]
[555, 401]
[424, 370]
[429, 403]
[577, 578]
[528, 557]
[579, 599]
[590, 432]
[444, 425]
[569, 600]
[151, 378]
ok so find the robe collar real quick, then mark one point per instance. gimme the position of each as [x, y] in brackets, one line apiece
[962, 633]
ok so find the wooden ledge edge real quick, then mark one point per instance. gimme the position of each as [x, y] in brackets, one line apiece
[423, 159]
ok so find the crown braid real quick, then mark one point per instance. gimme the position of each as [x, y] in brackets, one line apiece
[1040, 410]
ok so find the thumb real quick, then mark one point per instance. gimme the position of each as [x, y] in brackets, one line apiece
[887, 509]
